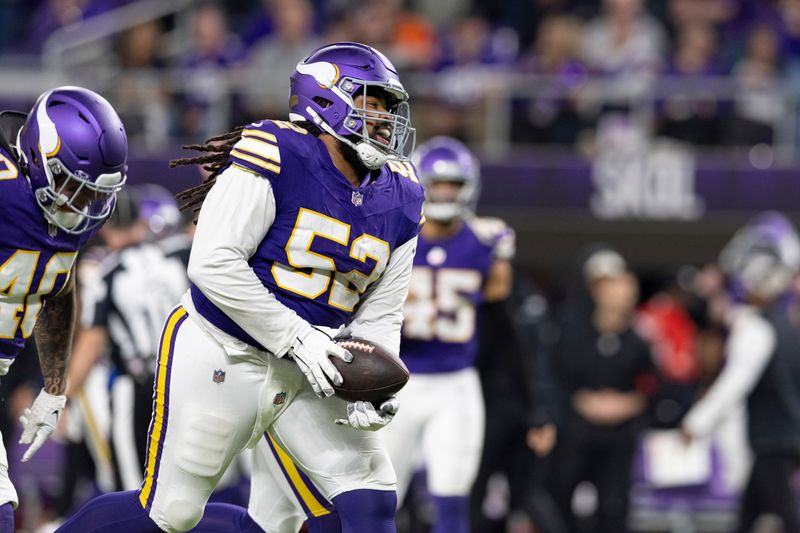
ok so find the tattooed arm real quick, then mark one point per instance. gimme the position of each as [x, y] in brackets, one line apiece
[53, 333]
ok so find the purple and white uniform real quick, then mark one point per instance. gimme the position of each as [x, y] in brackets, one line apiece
[72, 142]
[447, 284]
[323, 224]
[34, 264]
[299, 245]
[441, 420]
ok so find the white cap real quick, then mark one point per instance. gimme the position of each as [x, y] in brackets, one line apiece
[604, 263]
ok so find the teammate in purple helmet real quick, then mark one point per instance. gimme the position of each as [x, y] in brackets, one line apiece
[61, 166]
[306, 232]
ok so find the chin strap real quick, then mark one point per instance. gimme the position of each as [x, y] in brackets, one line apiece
[370, 156]
[23, 159]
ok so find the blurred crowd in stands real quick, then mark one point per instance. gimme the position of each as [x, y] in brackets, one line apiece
[228, 61]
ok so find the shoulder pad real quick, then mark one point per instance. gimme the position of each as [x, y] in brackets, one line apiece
[406, 176]
[262, 144]
[404, 170]
[495, 233]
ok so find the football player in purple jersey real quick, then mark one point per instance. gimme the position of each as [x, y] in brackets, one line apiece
[306, 231]
[462, 261]
[61, 166]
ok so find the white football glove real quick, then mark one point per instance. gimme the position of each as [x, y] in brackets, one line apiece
[39, 421]
[311, 352]
[364, 416]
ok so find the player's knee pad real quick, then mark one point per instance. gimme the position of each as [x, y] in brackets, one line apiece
[180, 515]
[204, 443]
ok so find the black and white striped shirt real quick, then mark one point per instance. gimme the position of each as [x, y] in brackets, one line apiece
[130, 294]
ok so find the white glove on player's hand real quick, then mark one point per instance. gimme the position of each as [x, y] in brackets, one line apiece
[311, 352]
[364, 416]
[39, 421]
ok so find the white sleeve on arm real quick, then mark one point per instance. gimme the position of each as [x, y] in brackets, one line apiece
[379, 315]
[748, 351]
[236, 215]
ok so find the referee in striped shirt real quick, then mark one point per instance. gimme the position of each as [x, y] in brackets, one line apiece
[123, 306]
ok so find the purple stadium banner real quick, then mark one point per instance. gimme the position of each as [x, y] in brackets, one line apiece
[664, 187]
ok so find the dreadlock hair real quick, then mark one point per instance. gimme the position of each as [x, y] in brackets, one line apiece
[214, 161]
[218, 151]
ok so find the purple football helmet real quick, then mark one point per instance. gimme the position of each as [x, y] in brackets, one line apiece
[763, 256]
[446, 159]
[159, 209]
[74, 151]
[324, 87]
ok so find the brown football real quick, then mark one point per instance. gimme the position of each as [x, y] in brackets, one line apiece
[372, 376]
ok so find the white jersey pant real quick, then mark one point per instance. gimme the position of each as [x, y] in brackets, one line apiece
[308, 460]
[440, 425]
[8, 494]
[282, 497]
[212, 402]
[208, 407]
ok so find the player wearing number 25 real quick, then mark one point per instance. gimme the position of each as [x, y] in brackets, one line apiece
[307, 229]
[60, 168]
[462, 261]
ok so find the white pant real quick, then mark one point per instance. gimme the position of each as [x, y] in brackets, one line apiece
[213, 401]
[307, 460]
[7, 491]
[208, 407]
[440, 424]
[281, 495]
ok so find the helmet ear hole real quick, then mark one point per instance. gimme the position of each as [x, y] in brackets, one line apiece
[34, 159]
[322, 102]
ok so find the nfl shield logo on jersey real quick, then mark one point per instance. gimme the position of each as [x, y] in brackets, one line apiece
[219, 376]
[280, 398]
[357, 198]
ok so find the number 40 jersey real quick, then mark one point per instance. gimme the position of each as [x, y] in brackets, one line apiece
[439, 329]
[34, 263]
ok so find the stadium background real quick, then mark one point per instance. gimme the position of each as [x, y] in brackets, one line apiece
[660, 146]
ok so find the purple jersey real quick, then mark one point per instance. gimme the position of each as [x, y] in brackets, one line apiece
[329, 240]
[34, 264]
[439, 330]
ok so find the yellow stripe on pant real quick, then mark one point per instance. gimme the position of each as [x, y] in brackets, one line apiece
[160, 407]
[311, 502]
